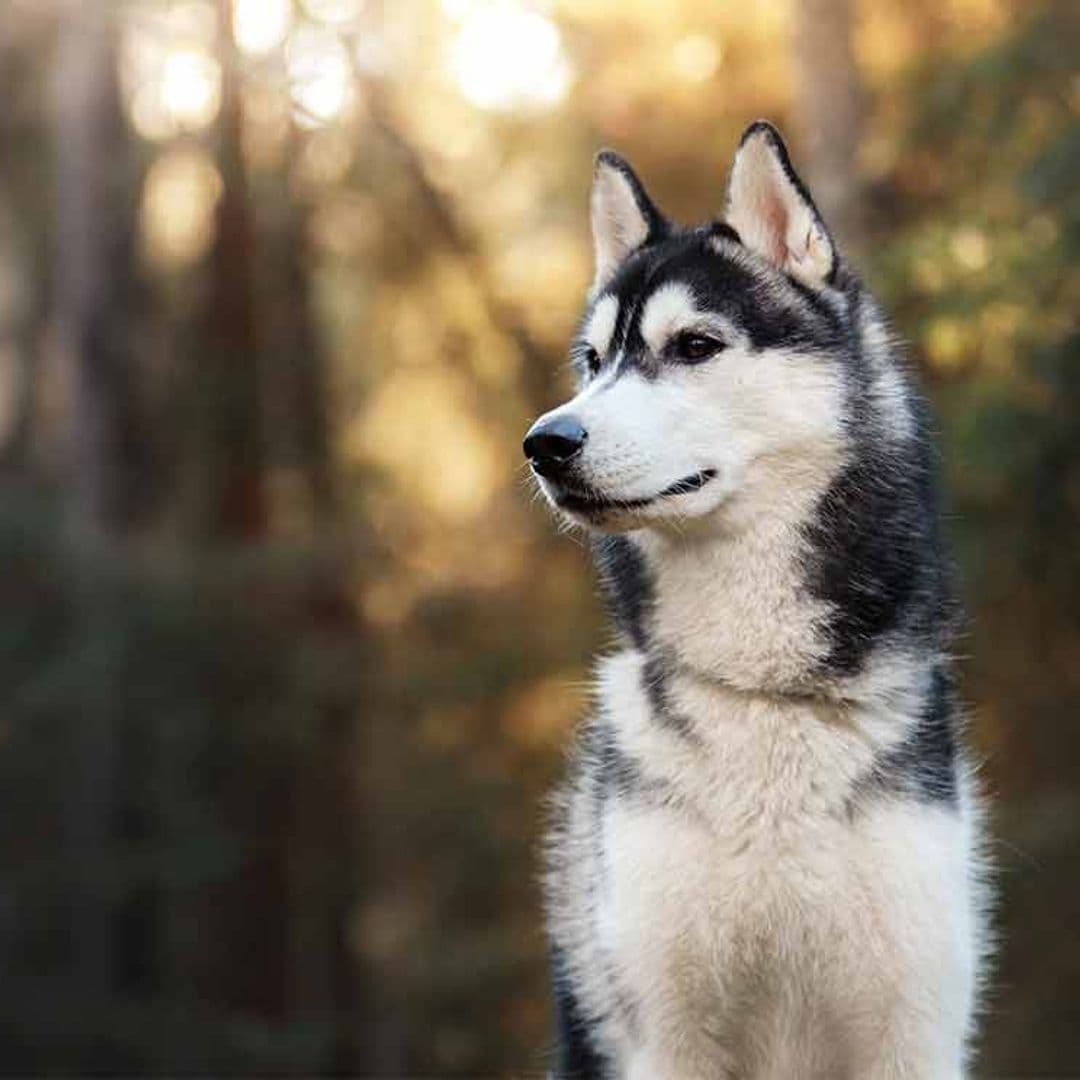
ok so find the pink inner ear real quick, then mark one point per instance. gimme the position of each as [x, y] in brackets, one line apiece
[775, 216]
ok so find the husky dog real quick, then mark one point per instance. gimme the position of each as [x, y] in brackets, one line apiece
[766, 859]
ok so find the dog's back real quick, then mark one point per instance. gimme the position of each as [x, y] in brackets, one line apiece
[764, 862]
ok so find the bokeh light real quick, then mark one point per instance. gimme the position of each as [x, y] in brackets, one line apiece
[335, 12]
[176, 216]
[508, 56]
[191, 88]
[168, 69]
[415, 422]
[261, 25]
[697, 57]
[320, 75]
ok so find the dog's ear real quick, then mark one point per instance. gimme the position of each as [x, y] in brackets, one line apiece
[624, 218]
[771, 210]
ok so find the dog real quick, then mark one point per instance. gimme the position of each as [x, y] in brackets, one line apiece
[766, 861]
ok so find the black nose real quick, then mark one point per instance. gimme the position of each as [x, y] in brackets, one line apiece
[550, 444]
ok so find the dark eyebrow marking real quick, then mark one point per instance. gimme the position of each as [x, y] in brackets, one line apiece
[722, 230]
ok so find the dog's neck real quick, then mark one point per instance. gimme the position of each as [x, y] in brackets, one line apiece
[728, 601]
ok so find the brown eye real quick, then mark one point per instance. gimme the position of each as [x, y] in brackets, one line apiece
[592, 360]
[693, 348]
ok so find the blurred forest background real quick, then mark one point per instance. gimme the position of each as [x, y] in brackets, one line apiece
[288, 656]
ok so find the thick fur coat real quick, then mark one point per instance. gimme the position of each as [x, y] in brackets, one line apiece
[765, 861]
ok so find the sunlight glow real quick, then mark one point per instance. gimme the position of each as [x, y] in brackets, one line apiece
[970, 249]
[324, 160]
[191, 88]
[261, 25]
[507, 56]
[697, 57]
[176, 216]
[417, 419]
[171, 79]
[373, 55]
[320, 75]
[459, 9]
[335, 12]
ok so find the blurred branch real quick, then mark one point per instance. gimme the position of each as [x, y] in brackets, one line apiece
[299, 406]
[456, 235]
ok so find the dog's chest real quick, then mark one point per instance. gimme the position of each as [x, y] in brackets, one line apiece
[725, 877]
[745, 942]
[683, 901]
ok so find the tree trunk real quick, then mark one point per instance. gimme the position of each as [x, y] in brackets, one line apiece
[104, 454]
[828, 113]
[90, 363]
[233, 482]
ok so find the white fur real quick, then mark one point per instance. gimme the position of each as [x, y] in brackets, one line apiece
[891, 393]
[764, 927]
[670, 309]
[618, 225]
[600, 328]
[768, 422]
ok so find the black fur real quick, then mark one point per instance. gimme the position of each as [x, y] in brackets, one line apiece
[790, 315]
[654, 676]
[622, 775]
[576, 1058]
[619, 773]
[875, 548]
[723, 231]
[627, 588]
[925, 764]
[876, 559]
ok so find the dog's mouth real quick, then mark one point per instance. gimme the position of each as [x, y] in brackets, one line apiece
[589, 501]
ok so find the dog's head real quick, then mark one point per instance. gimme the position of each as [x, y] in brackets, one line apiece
[707, 359]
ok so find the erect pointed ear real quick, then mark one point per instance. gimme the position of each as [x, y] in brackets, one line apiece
[770, 208]
[623, 216]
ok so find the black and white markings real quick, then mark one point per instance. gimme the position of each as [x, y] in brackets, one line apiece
[765, 524]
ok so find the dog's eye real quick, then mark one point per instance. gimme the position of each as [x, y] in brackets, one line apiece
[593, 362]
[693, 348]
